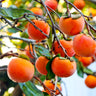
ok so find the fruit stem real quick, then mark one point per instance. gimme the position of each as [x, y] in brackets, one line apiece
[69, 14]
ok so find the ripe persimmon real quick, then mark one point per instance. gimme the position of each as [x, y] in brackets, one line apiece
[20, 70]
[34, 33]
[80, 4]
[68, 46]
[37, 10]
[63, 67]
[90, 81]
[86, 61]
[71, 26]
[52, 4]
[29, 51]
[84, 45]
[51, 86]
[40, 64]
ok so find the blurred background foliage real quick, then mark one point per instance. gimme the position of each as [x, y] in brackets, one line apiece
[26, 5]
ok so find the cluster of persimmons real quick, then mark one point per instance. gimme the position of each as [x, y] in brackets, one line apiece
[83, 47]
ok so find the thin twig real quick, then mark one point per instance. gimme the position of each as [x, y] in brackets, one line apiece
[28, 14]
[89, 17]
[69, 14]
[3, 26]
[6, 21]
[18, 38]
[89, 31]
[45, 87]
[57, 27]
[53, 11]
[10, 53]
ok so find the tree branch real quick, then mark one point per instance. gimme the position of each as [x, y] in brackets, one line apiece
[53, 28]
[6, 21]
[18, 38]
[10, 53]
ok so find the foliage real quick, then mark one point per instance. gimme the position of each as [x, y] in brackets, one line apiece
[30, 89]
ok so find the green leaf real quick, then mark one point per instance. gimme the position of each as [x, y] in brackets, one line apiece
[88, 71]
[24, 34]
[12, 30]
[42, 77]
[50, 74]
[30, 89]
[50, 40]
[42, 51]
[79, 67]
[23, 45]
[45, 94]
[23, 56]
[13, 13]
[90, 3]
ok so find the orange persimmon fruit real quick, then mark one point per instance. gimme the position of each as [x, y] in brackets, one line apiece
[34, 33]
[20, 70]
[63, 67]
[40, 64]
[67, 45]
[84, 45]
[37, 10]
[80, 4]
[86, 61]
[52, 4]
[71, 26]
[90, 81]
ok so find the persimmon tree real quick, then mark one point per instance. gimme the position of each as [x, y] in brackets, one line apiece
[54, 42]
